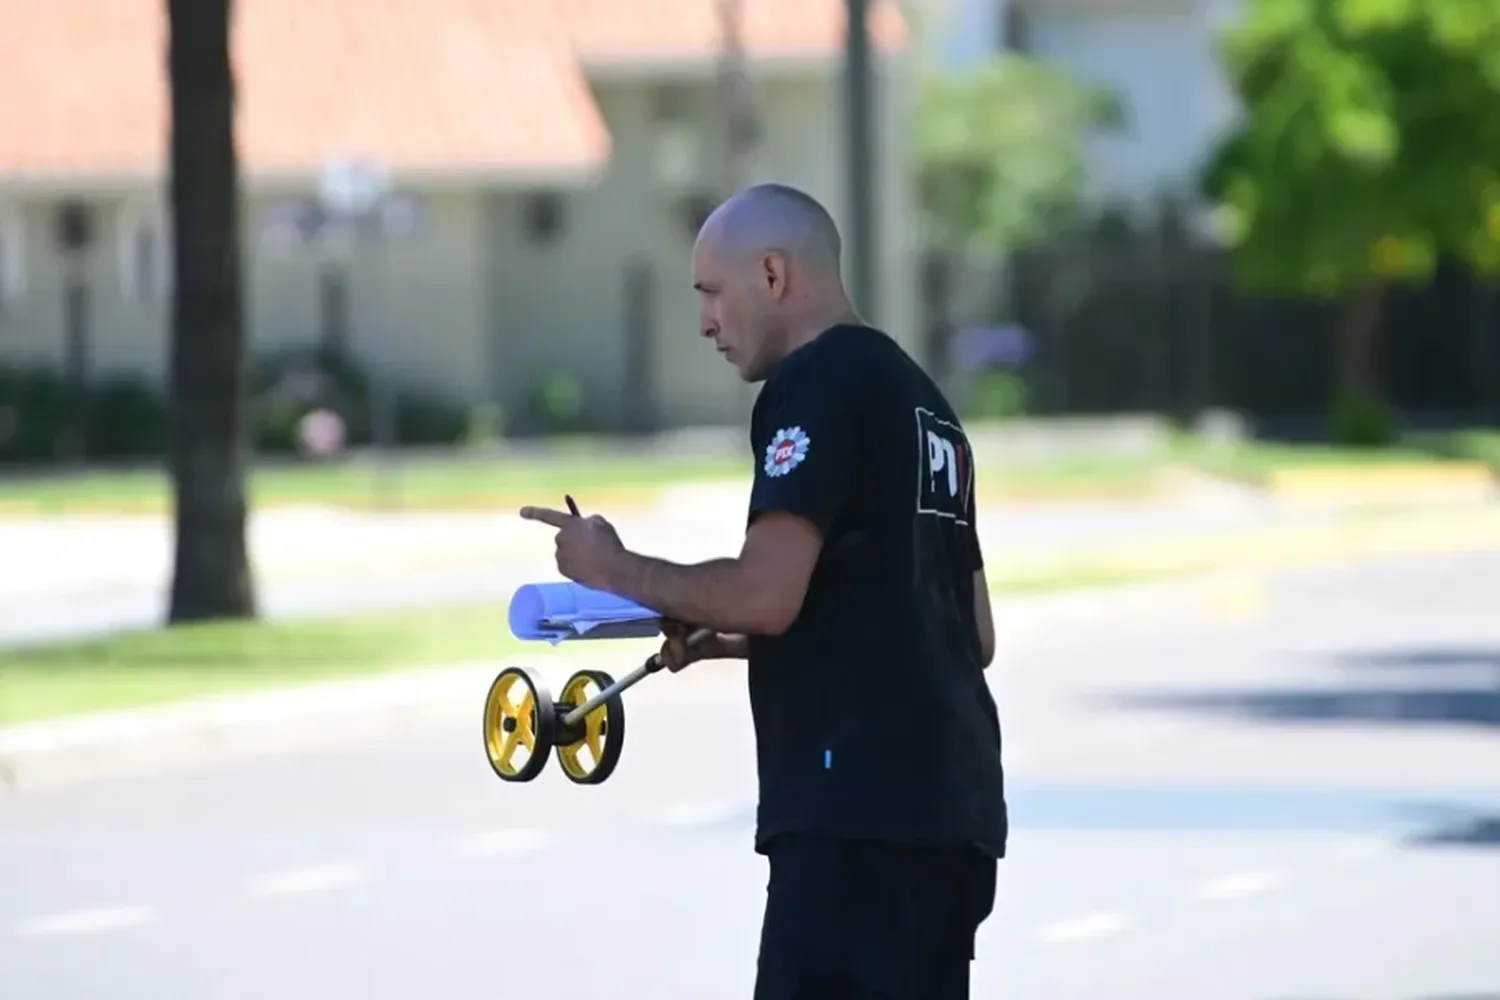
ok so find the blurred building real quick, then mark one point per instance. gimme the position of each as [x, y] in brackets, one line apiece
[550, 159]
[1157, 56]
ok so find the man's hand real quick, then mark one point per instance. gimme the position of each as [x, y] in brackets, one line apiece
[588, 548]
[677, 655]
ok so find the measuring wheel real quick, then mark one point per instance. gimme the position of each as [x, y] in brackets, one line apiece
[586, 725]
[520, 724]
[588, 748]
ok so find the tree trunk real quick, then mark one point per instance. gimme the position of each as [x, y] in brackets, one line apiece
[735, 99]
[1358, 377]
[210, 436]
[740, 116]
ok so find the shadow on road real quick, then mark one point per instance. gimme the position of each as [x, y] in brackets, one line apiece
[1444, 685]
[1349, 705]
[1452, 657]
[1476, 831]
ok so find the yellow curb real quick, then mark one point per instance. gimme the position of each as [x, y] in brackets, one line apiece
[1281, 547]
[1128, 490]
[1237, 598]
[1403, 479]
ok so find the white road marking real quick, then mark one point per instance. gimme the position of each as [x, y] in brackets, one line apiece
[1082, 928]
[320, 878]
[104, 918]
[503, 842]
[696, 813]
[1238, 885]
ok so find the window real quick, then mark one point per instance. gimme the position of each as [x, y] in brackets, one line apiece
[672, 104]
[542, 213]
[333, 311]
[695, 209]
[145, 254]
[12, 258]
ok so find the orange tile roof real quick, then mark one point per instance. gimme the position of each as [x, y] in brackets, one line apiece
[487, 85]
[428, 84]
[80, 92]
[630, 30]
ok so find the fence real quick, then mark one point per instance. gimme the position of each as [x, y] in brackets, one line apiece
[1161, 328]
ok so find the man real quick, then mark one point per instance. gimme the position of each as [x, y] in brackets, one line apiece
[860, 601]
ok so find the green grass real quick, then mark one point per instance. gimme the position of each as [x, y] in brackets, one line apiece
[1255, 462]
[1072, 477]
[1474, 445]
[1252, 463]
[605, 477]
[149, 667]
[598, 477]
[460, 483]
[146, 667]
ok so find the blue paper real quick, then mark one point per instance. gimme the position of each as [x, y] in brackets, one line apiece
[560, 611]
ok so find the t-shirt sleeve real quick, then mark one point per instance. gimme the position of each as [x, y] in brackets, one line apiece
[804, 448]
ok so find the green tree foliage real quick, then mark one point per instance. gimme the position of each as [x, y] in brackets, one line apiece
[999, 151]
[1368, 151]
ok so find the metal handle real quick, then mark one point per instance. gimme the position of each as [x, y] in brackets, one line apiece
[653, 663]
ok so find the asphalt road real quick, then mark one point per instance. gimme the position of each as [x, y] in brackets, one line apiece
[1291, 793]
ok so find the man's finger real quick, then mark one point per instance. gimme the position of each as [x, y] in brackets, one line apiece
[546, 515]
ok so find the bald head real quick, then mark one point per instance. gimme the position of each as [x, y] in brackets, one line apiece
[775, 218]
[766, 269]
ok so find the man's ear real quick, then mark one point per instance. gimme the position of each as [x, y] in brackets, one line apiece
[773, 274]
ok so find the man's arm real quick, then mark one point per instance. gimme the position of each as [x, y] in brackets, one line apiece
[732, 647]
[715, 646]
[804, 439]
[984, 617]
[759, 592]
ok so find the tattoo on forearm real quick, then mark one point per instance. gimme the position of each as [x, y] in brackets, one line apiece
[706, 595]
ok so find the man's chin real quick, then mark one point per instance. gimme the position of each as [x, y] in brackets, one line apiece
[739, 369]
[749, 377]
[746, 373]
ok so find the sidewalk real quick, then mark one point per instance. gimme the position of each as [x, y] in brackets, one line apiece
[83, 556]
[292, 544]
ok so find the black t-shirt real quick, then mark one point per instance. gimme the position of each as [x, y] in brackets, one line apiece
[872, 715]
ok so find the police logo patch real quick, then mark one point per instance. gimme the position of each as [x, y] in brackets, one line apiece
[786, 451]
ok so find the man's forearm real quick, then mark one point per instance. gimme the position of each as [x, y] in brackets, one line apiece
[734, 646]
[711, 594]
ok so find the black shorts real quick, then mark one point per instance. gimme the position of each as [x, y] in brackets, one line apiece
[871, 920]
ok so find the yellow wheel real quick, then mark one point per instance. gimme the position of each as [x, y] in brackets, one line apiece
[519, 724]
[589, 750]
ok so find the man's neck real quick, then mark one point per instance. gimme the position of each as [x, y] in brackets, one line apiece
[813, 325]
